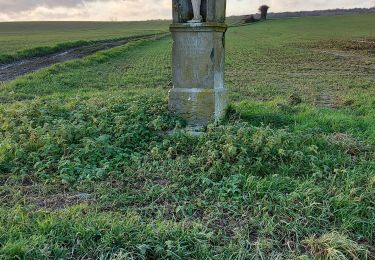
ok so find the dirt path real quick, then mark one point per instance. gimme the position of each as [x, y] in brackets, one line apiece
[13, 70]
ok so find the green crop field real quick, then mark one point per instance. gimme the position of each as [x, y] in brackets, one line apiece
[88, 171]
[23, 39]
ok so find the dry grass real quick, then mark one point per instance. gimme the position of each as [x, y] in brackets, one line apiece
[335, 246]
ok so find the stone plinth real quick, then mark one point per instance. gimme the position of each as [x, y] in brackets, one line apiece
[198, 93]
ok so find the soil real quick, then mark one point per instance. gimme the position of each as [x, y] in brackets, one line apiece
[61, 201]
[325, 100]
[13, 70]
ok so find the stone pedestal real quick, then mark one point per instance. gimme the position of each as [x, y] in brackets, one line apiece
[198, 93]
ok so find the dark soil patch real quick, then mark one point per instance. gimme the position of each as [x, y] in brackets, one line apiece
[13, 97]
[61, 201]
[3, 179]
[366, 44]
[13, 70]
[345, 45]
[350, 144]
[325, 100]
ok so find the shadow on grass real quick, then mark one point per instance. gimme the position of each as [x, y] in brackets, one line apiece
[259, 113]
[304, 117]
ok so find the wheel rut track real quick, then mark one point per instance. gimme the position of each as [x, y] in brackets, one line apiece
[11, 71]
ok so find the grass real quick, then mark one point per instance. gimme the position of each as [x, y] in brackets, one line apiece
[28, 39]
[87, 170]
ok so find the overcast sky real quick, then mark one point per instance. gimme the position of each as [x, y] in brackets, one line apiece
[25, 10]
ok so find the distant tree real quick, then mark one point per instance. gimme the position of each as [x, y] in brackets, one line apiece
[263, 11]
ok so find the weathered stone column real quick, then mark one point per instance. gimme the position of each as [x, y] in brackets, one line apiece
[198, 93]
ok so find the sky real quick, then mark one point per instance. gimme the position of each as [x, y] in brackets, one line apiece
[132, 10]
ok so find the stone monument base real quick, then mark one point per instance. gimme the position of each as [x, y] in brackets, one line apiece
[198, 106]
[198, 93]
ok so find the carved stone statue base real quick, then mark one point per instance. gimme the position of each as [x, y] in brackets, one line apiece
[196, 20]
